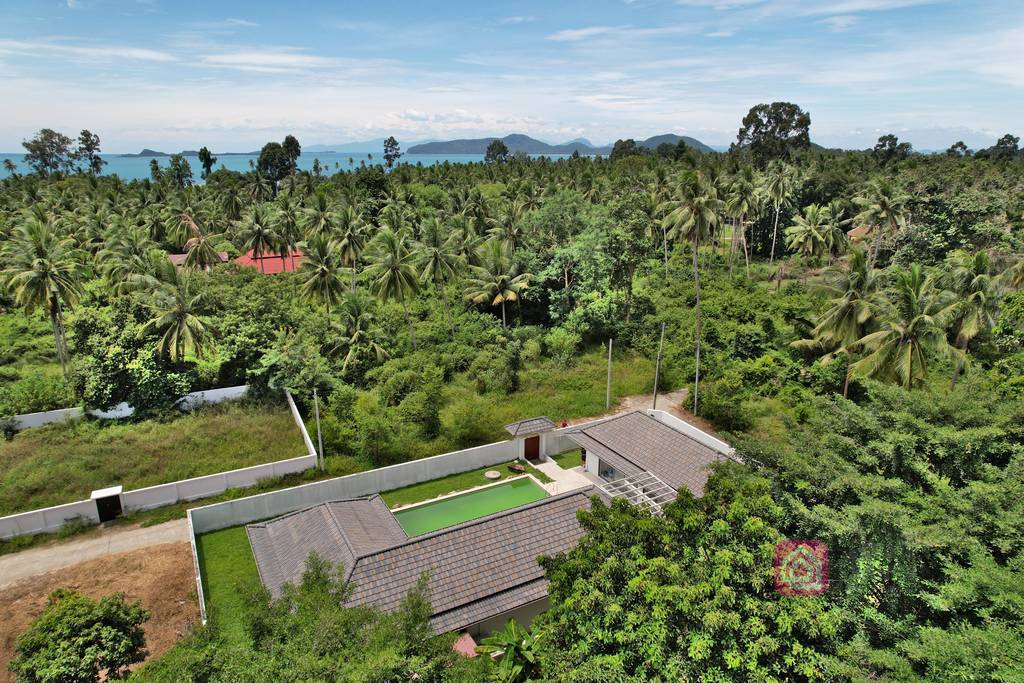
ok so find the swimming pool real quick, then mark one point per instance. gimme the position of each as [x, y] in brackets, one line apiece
[422, 519]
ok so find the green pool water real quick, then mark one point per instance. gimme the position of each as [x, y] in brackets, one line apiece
[428, 517]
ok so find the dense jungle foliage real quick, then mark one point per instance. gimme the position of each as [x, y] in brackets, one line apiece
[852, 322]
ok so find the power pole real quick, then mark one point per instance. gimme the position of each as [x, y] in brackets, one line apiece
[657, 368]
[319, 436]
[608, 390]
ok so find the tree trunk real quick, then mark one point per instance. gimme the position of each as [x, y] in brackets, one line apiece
[504, 324]
[408, 320]
[447, 312]
[697, 326]
[664, 242]
[775, 234]
[56, 339]
[958, 369]
[846, 379]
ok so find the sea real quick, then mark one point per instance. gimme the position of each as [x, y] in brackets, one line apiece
[137, 168]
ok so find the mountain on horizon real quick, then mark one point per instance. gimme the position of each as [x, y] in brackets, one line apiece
[517, 142]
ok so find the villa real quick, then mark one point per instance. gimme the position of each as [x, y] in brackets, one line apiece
[484, 571]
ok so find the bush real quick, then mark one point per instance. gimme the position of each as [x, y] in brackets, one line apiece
[78, 639]
[721, 401]
[397, 386]
[35, 393]
[496, 370]
[423, 408]
[561, 345]
[472, 424]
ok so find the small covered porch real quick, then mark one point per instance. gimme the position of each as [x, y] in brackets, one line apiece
[530, 437]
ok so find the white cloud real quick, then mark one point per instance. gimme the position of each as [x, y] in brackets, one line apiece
[840, 22]
[575, 34]
[518, 20]
[94, 53]
[269, 61]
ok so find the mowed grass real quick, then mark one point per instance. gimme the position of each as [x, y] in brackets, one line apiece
[569, 459]
[62, 463]
[229, 575]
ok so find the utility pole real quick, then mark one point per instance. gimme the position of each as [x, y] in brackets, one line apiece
[657, 368]
[608, 390]
[319, 436]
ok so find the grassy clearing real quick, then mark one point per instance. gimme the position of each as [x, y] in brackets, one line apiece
[426, 490]
[569, 459]
[61, 463]
[229, 574]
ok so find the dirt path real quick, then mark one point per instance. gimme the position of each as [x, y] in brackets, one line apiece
[671, 402]
[35, 561]
[159, 576]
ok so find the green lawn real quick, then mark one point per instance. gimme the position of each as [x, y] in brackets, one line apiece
[569, 459]
[229, 573]
[407, 495]
[61, 463]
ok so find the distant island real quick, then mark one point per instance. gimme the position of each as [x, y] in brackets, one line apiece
[518, 142]
[185, 153]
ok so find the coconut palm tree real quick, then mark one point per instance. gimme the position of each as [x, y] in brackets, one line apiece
[320, 217]
[392, 272]
[778, 185]
[256, 231]
[883, 207]
[438, 261]
[978, 292]
[176, 319]
[912, 323]
[836, 240]
[853, 293]
[41, 271]
[359, 331]
[322, 272]
[351, 239]
[289, 227]
[808, 233]
[200, 252]
[693, 214]
[497, 279]
[742, 203]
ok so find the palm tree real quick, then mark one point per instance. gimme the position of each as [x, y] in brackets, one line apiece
[257, 232]
[320, 216]
[351, 239]
[41, 270]
[742, 203]
[778, 185]
[289, 228]
[322, 272]
[200, 252]
[836, 240]
[438, 261]
[693, 215]
[175, 307]
[912, 322]
[808, 233]
[359, 331]
[978, 292]
[497, 279]
[518, 650]
[884, 208]
[852, 292]
[392, 272]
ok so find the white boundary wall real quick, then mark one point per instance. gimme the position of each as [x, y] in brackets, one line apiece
[53, 518]
[121, 410]
[692, 432]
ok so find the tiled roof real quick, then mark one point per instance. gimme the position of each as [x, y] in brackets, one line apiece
[532, 426]
[477, 570]
[634, 442]
[272, 263]
[338, 532]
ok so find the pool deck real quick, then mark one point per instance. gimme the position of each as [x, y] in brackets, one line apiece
[563, 480]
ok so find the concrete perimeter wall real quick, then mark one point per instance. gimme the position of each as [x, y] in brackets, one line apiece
[53, 518]
[122, 410]
[274, 503]
[692, 432]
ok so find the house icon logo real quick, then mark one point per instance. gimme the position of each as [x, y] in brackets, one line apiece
[801, 567]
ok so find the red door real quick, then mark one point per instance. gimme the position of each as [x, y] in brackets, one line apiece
[532, 447]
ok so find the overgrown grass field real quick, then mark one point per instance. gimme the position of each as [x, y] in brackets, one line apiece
[61, 463]
[229, 573]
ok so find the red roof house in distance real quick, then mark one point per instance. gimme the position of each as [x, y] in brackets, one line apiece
[271, 264]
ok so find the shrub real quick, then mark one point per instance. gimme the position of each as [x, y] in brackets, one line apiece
[721, 401]
[472, 424]
[496, 370]
[423, 408]
[78, 639]
[561, 345]
[397, 386]
[35, 393]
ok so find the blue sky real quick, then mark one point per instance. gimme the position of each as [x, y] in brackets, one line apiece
[231, 75]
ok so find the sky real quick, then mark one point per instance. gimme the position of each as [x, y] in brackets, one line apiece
[178, 74]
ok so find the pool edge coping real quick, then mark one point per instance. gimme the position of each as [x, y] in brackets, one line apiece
[403, 508]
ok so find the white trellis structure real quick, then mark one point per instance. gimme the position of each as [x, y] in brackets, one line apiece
[643, 488]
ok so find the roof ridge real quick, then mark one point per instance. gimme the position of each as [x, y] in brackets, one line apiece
[464, 605]
[477, 521]
[284, 515]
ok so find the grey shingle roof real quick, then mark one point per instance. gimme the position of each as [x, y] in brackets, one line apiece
[338, 532]
[479, 569]
[634, 442]
[532, 426]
